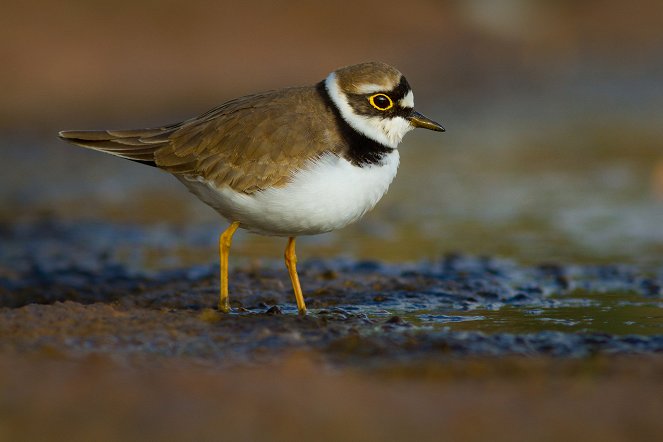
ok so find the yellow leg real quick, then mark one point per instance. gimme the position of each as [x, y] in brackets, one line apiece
[291, 264]
[224, 250]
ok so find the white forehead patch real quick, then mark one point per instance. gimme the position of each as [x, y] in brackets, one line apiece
[371, 88]
[407, 100]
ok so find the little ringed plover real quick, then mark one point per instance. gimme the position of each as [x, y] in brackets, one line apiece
[297, 161]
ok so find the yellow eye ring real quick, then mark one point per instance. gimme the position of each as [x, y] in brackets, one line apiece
[381, 102]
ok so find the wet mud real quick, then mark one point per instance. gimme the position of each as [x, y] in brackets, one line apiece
[95, 341]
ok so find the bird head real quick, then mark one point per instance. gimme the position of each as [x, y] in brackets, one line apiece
[376, 100]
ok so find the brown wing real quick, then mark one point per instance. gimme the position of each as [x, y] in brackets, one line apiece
[249, 144]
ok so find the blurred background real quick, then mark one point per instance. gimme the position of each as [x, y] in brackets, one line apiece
[553, 109]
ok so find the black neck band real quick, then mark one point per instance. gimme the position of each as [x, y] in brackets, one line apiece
[362, 151]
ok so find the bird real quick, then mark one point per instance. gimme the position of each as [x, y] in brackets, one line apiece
[289, 162]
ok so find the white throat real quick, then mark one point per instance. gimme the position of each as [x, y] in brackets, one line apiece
[386, 131]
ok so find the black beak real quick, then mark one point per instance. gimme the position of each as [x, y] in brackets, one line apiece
[418, 120]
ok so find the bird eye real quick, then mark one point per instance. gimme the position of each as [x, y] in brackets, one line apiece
[381, 102]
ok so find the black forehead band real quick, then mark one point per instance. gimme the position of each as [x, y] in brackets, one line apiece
[401, 90]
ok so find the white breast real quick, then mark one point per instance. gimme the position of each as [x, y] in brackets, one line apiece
[329, 194]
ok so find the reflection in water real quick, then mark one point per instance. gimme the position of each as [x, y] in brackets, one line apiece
[611, 313]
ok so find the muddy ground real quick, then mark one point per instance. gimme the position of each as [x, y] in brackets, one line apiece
[96, 347]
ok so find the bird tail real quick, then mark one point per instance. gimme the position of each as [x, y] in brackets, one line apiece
[138, 145]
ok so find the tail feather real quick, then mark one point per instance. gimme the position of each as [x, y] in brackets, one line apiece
[136, 145]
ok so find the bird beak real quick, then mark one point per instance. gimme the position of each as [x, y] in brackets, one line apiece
[418, 120]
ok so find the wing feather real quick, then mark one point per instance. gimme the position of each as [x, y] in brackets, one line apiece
[249, 144]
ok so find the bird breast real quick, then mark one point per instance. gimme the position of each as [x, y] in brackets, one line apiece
[327, 194]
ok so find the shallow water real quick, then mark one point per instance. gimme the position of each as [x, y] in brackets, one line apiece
[615, 313]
